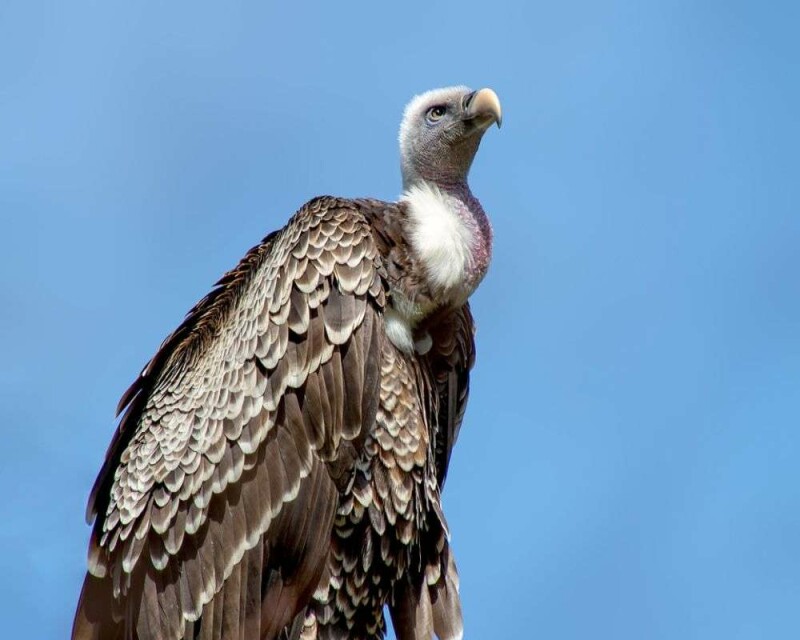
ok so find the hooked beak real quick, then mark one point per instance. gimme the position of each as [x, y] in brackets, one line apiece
[483, 108]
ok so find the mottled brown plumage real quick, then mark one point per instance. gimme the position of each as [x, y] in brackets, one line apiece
[278, 467]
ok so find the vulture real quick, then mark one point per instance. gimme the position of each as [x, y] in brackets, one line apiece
[278, 468]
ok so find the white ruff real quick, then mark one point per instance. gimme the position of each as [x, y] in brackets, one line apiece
[441, 240]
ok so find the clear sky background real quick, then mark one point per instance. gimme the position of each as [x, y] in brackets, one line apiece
[629, 463]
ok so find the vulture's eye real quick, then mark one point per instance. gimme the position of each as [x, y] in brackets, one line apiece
[435, 113]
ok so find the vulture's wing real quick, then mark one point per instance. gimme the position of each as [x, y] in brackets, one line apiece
[218, 493]
[452, 357]
[415, 613]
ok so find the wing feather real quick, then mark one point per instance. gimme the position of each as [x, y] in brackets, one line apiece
[216, 486]
[452, 357]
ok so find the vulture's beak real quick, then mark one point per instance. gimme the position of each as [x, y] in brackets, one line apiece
[483, 108]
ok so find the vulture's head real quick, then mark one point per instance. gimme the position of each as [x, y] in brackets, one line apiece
[441, 131]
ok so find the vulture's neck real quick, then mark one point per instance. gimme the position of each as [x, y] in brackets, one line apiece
[450, 237]
[450, 243]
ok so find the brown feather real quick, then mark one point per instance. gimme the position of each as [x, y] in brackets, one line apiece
[179, 464]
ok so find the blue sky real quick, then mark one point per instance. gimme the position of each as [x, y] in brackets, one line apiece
[629, 463]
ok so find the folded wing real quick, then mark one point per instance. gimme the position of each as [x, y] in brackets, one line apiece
[214, 508]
